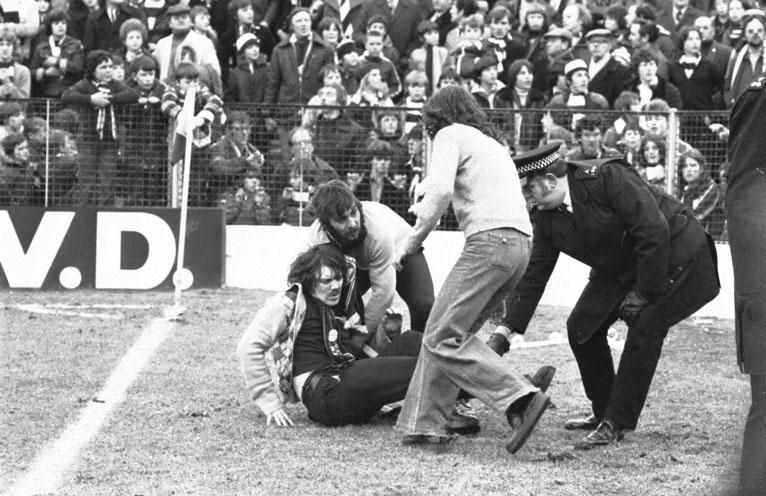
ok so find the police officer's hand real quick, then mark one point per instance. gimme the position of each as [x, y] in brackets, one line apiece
[632, 305]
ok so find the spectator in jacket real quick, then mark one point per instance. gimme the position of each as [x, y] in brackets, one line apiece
[182, 34]
[331, 31]
[525, 130]
[98, 99]
[607, 74]
[247, 202]
[146, 149]
[242, 21]
[378, 24]
[12, 117]
[78, 11]
[648, 84]
[700, 193]
[208, 74]
[747, 62]
[430, 57]
[17, 182]
[57, 61]
[200, 17]
[102, 29]
[15, 80]
[576, 97]
[549, 72]
[643, 35]
[339, 139]
[698, 80]
[403, 21]
[416, 93]
[208, 108]
[507, 48]
[296, 61]
[247, 82]
[233, 154]
[712, 50]
[373, 58]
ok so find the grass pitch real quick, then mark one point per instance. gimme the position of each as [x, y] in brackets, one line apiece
[185, 426]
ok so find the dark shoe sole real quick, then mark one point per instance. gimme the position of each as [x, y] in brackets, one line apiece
[532, 414]
[425, 440]
[463, 430]
[543, 377]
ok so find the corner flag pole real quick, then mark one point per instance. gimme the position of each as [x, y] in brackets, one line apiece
[186, 129]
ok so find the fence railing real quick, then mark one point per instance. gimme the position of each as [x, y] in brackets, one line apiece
[264, 171]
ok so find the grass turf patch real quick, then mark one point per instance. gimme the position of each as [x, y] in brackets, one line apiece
[186, 427]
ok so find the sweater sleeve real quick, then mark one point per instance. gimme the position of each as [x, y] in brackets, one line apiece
[270, 323]
[382, 276]
[438, 187]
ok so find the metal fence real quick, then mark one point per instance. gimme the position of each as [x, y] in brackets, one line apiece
[265, 170]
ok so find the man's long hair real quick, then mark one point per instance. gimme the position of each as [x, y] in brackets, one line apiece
[454, 105]
[331, 201]
[308, 265]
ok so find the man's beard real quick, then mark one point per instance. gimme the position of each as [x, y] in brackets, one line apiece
[757, 43]
[345, 243]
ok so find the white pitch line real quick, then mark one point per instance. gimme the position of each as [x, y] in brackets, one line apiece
[100, 306]
[35, 308]
[50, 466]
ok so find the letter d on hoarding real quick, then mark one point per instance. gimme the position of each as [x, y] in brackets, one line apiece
[160, 256]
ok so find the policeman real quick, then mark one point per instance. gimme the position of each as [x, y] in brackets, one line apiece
[746, 215]
[652, 265]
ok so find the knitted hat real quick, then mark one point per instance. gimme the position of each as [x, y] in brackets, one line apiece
[574, 66]
[246, 40]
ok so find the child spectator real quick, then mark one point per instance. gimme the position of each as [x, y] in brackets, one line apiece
[56, 61]
[430, 57]
[17, 183]
[119, 72]
[145, 166]
[200, 17]
[507, 48]
[348, 59]
[377, 23]
[133, 34]
[23, 18]
[389, 127]
[373, 58]
[208, 108]
[97, 97]
[208, 75]
[247, 203]
[469, 44]
[386, 185]
[415, 84]
[247, 83]
[243, 17]
[700, 192]
[372, 92]
[15, 78]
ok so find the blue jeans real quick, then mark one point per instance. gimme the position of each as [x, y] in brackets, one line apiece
[452, 357]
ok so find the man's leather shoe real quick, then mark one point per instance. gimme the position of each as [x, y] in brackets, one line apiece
[498, 343]
[524, 423]
[605, 434]
[586, 423]
[542, 378]
[463, 419]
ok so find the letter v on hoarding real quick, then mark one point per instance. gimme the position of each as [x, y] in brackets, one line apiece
[28, 270]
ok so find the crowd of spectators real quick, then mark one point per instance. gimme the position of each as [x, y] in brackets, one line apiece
[121, 69]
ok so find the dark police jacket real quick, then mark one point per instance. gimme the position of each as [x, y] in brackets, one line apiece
[631, 235]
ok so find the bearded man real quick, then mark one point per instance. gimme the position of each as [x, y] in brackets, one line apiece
[367, 233]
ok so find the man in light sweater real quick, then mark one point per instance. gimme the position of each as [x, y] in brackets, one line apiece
[367, 233]
[472, 170]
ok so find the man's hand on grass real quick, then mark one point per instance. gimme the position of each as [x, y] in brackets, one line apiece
[280, 418]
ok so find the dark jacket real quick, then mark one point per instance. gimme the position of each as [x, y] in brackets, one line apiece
[745, 205]
[54, 86]
[78, 97]
[697, 92]
[665, 90]
[247, 83]
[341, 142]
[632, 236]
[610, 80]
[102, 34]
[285, 84]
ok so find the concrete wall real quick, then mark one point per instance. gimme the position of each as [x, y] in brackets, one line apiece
[259, 256]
